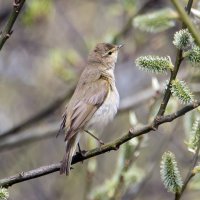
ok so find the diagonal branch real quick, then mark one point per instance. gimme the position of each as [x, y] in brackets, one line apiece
[41, 171]
[6, 33]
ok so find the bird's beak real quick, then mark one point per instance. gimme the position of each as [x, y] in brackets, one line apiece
[119, 46]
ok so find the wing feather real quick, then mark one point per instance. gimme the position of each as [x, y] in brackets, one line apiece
[85, 106]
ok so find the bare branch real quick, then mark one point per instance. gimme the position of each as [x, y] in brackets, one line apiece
[6, 33]
[23, 176]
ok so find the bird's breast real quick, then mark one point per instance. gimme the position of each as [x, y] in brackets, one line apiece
[106, 111]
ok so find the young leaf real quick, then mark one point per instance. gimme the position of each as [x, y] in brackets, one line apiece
[194, 55]
[154, 64]
[194, 136]
[4, 195]
[170, 174]
[156, 21]
[183, 39]
[181, 90]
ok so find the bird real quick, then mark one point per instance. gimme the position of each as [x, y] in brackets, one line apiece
[94, 102]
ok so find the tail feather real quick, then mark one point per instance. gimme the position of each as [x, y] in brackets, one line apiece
[70, 149]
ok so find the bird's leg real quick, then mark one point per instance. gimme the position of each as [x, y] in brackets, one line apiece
[81, 152]
[96, 138]
[79, 148]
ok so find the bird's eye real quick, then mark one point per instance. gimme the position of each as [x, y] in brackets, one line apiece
[110, 53]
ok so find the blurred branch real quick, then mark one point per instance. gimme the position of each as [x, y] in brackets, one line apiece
[29, 136]
[137, 99]
[190, 174]
[38, 116]
[6, 33]
[128, 25]
[23, 176]
[186, 20]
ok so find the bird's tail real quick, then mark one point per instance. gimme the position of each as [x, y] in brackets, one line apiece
[70, 149]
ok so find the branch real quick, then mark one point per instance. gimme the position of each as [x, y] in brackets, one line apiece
[6, 33]
[23, 176]
[187, 21]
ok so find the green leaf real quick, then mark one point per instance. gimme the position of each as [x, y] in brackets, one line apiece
[4, 195]
[180, 90]
[170, 174]
[194, 55]
[156, 21]
[154, 64]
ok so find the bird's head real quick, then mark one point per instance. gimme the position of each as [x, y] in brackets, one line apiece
[105, 53]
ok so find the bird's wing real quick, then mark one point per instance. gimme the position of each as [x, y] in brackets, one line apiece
[86, 105]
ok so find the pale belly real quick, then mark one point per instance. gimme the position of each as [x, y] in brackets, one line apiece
[105, 113]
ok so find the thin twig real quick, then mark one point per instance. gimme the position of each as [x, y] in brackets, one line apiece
[7, 31]
[29, 136]
[23, 176]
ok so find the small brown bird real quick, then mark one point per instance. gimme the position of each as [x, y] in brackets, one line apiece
[95, 100]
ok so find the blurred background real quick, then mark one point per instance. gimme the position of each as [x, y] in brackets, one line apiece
[39, 66]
